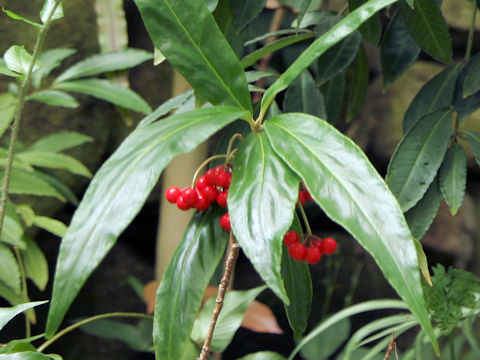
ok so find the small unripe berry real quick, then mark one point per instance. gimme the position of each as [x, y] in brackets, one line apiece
[329, 245]
[297, 251]
[225, 222]
[313, 255]
[291, 238]
[172, 194]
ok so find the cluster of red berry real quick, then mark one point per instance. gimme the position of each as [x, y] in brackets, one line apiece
[312, 253]
[211, 187]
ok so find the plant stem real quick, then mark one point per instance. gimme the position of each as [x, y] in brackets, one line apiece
[205, 163]
[18, 113]
[471, 32]
[88, 320]
[230, 145]
[222, 288]
[21, 265]
[305, 219]
[390, 348]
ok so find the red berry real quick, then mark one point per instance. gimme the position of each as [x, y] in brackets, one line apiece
[329, 245]
[172, 194]
[313, 255]
[202, 203]
[221, 178]
[201, 183]
[182, 205]
[291, 238]
[210, 193]
[302, 196]
[297, 251]
[229, 180]
[222, 198]
[225, 222]
[210, 176]
[315, 241]
[190, 196]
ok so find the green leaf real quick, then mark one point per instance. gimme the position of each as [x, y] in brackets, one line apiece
[15, 16]
[18, 59]
[372, 28]
[234, 306]
[5, 71]
[102, 63]
[428, 27]
[453, 177]
[10, 295]
[36, 266]
[398, 50]
[245, 11]
[20, 345]
[59, 186]
[418, 157]
[253, 57]
[474, 142]
[8, 103]
[48, 8]
[337, 33]
[54, 160]
[54, 226]
[362, 204]
[50, 60]
[333, 92]
[304, 96]
[471, 83]
[422, 261]
[190, 23]
[59, 141]
[261, 203]
[9, 270]
[298, 284]
[12, 232]
[263, 355]
[7, 314]
[55, 98]
[322, 346]
[420, 217]
[108, 91]
[117, 192]
[359, 85]
[183, 286]
[436, 94]
[26, 355]
[464, 104]
[169, 105]
[26, 182]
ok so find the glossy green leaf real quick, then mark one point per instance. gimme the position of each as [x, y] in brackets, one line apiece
[9, 270]
[59, 141]
[5, 71]
[127, 177]
[54, 160]
[18, 59]
[398, 50]
[372, 28]
[359, 85]
[303, 10]
[224, 18]
[345, 313]
[111, 25]
[324, 345]
[48, 7]
[7, 314]
[50, 60]
[55, 98]
[261, 203]
[264, 355]
[304, 96]
[10, 295]
[471, 84]
[420, 217]
[108, 91]
[465, 103]
[337, 33]
[15, 16]
[234, 306]
[169, 105]
[428, 27]
[436, 94]
[453, 177]
[102, 63]
[298, 285]
[325, 160]
[20, 345]
[474, 142]
[183, 286]
[62, 189]
[253, 57]
[333, 92]
[418, 157]
[26, 355]
[190, 23]
[25, 182]
[245, 11]
[54, 226]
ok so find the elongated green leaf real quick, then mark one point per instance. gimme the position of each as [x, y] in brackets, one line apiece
[12, 231]
[261, 202]
[337, 33]
[9, 270]
[245, 11]
[298, 285]
[474, 142]
[325, 344]
[15, 16]
[54, 161]
[466, 100]
[108, 91]
[422, 261]
[101, 63]
[59, 186]
[264, 355]
[186, 33]
[359, 85]
[5, 71]
[304, 96]
[25, 182]
[54, 226]
[325, 159]
[471, 84]
[252, 58]
[453, 177]
[48, 7]
[111, 25]
[55, 98]
[398, 50]
[18, 59]
[428, 27]
[7, 314]
[333, 92]
[224, 18]
[418, 157]
[59, 141]
[420, 217]
[169, 105]
[435, 95]
[372, 28]
[50, 60]
[7, 111]
[345, 313]
[117, 192]
[26, 355]
[183, 286]
[19, 345]
[229, 320]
